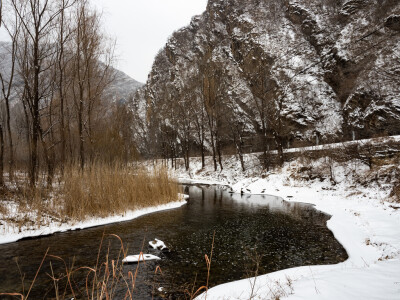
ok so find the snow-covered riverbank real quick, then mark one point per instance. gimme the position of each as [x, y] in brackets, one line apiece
[10, 233]
[363, 221]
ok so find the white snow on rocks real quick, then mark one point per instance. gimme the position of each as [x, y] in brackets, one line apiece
[158, 245]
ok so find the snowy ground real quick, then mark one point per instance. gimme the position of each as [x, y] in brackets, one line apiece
[11, 233]
[363, 221]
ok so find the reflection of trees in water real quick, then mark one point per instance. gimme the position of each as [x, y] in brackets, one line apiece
[217, 195]
[272, 203]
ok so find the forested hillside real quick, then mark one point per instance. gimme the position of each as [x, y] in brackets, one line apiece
[258, 75]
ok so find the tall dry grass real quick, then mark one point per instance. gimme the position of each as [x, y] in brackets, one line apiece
[103, 190]
[98, 191]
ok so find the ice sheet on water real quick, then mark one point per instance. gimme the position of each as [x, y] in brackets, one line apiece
[139, 257]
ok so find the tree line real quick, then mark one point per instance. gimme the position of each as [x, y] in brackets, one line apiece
[54, 75]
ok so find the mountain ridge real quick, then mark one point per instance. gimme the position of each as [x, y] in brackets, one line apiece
[121, 88]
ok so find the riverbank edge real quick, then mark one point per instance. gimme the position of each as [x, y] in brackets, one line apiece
[361, 220]
[6, 237]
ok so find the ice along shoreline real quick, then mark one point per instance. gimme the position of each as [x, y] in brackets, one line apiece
[11, 236]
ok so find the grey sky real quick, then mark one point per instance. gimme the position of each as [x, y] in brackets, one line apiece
[142, 28]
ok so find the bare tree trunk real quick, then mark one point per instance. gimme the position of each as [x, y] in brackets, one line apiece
[61, 91]
[81, 79]
[214, 154]
[28, 127]
[172, 156]
[187, 156]
[49, 161]
[219, 153]
[279, 145]
[7, 88]
[1, 12]
[1, 156]
[203, 159]
[81, 138]
[48, 152]
[176, 165]
[68, 139]
[239, 150]
[218, 144]
[185, 160]
[35, 111]
[11, 162]
[34, 151]
[266, 154]
[201, 138]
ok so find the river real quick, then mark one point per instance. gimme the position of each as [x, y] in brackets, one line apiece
[250, 231]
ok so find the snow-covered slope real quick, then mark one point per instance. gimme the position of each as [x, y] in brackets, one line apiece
[123, 87]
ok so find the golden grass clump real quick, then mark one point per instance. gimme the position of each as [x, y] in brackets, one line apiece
[102, 190]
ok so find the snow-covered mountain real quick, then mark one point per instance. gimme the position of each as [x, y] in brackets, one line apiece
[121, 88]
[296, 70]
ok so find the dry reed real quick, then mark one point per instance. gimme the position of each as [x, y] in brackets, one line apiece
[103, 190]
[100, 282]
[98, 191]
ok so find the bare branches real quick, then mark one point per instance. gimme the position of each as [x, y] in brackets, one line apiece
[1, 13]
[58, 60]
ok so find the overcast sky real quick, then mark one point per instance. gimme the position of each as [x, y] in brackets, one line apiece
[142, 27]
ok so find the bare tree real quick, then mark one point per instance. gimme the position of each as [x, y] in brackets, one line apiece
[93, 74]
[198, 113]
[64, 33]
[37, 19]
[7, 83]
[1, 156]
[36, 55]
[1, 12]
[210, 104]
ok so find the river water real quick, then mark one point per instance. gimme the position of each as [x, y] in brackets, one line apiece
[250, 231]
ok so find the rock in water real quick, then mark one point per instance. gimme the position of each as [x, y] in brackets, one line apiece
[393, 22]
[158, 245]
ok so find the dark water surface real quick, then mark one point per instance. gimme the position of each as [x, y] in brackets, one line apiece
[248, 229]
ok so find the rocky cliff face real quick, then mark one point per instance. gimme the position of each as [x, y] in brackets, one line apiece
[289, 70]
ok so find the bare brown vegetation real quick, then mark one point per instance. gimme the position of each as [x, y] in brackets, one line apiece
[100, 190]
[55, 104]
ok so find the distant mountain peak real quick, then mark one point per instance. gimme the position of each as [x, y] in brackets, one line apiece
[123, 86]
[120, 89]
